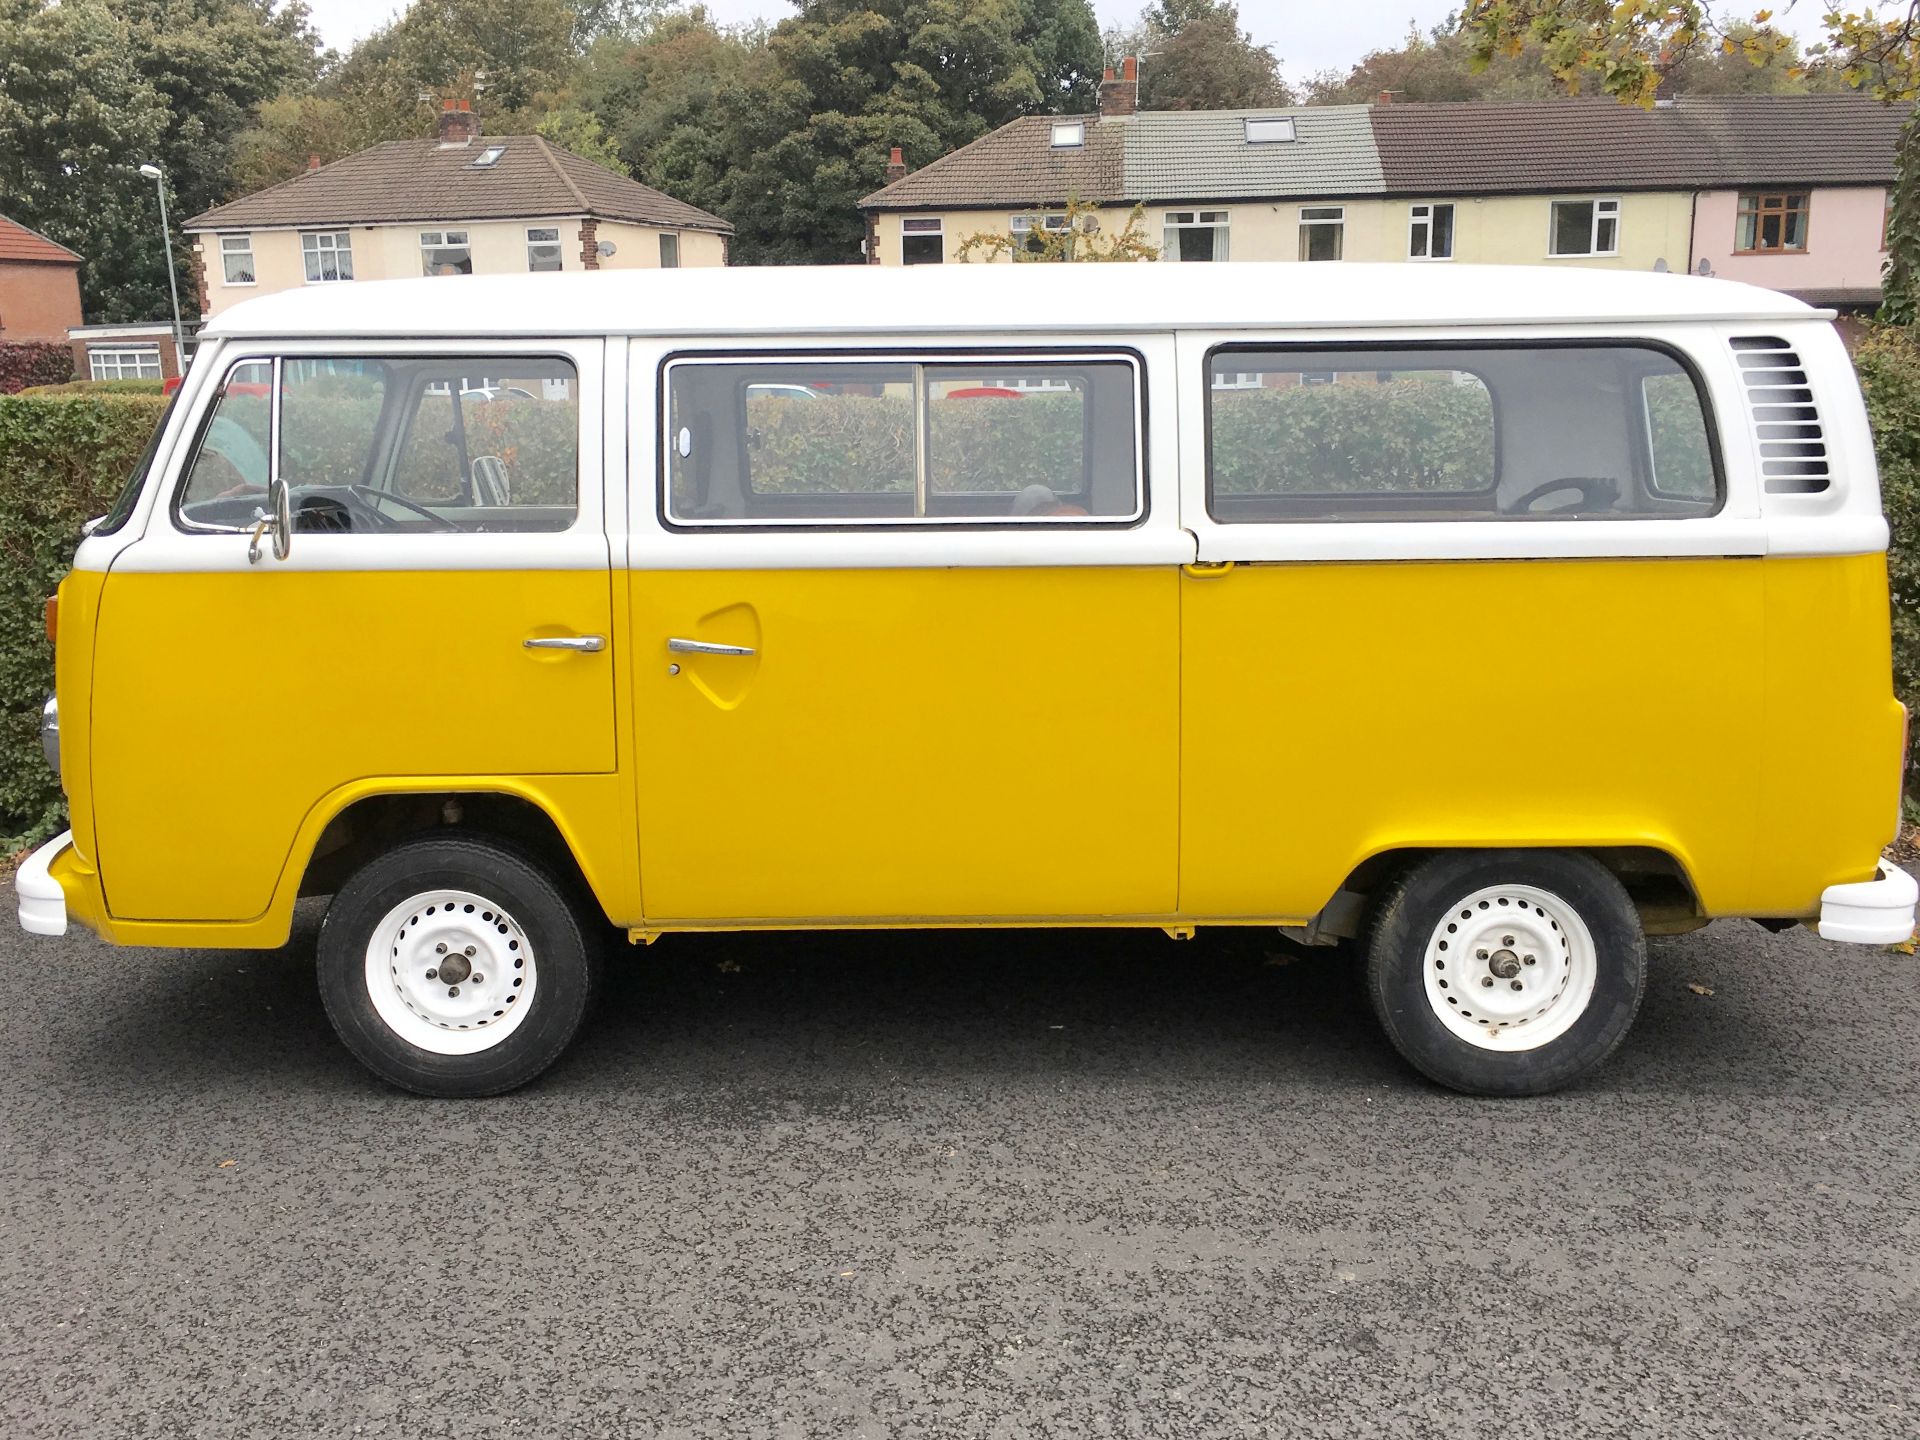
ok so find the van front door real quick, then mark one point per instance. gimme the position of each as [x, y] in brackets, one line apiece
[906, 642]
[447, 511]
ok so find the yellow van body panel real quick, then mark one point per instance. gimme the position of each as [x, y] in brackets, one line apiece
[1703, 708]
[228, 705]
[912, 743]
[977, 746]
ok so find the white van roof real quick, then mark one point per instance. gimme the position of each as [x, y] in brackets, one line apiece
[955, 299]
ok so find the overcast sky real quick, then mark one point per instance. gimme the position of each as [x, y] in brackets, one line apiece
[1307, 35]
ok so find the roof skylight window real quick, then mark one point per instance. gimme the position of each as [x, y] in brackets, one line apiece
[1069, 133]
[1269, 129]
[489, 157]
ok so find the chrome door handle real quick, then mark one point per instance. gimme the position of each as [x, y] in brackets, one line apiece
[706, 647]
[588, 643]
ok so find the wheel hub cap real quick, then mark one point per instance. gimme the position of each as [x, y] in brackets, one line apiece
[1510, 968]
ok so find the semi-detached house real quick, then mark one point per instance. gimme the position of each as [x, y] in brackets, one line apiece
[1789, 192]
[460, 204]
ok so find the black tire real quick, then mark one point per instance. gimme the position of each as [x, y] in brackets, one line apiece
[568, 967]
[1410, 914]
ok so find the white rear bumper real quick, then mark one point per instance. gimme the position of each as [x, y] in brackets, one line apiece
[1872, 912]
[43, 906]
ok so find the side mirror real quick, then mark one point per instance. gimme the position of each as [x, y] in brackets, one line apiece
[276, 516]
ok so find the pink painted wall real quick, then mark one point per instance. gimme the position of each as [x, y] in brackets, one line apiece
[1843, 242]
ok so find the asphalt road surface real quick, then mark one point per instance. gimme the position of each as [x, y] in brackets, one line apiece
[1027, 1185]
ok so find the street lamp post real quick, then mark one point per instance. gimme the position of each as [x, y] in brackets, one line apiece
[158, 176]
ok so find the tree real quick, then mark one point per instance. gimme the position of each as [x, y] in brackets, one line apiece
[1632, 44]
[1445, 64]
[76, 119]
[1194, 56]
[1077, 238]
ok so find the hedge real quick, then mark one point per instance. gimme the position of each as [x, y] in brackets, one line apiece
[1889, 364]
[63, 458]
[39, 362]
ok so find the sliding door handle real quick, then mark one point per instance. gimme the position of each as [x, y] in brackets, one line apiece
[706, 647]
[588, 643]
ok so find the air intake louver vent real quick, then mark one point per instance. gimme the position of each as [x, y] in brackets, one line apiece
[1793, 449]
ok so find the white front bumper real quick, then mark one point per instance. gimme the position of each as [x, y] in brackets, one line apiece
[1872, 912]
[43, 906]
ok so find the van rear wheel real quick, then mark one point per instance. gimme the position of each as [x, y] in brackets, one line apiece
[455, 967]
[1507, 972]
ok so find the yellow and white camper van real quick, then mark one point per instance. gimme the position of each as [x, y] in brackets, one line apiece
[1492, 619]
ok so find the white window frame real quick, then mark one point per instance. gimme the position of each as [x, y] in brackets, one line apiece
[316, 246]
[229, 251]
[1220, 222]
[667, 236]
[124, 362]
[1605, 208]
[432, 241]
[920, 226]
[557, 245]
[1068, 134]
[1322, 217]
[931, 357]
[1421, 217]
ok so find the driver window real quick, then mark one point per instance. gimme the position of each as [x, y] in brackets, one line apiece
[229, 470]
[413, 445]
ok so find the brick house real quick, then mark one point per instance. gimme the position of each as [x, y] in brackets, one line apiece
[39, 286]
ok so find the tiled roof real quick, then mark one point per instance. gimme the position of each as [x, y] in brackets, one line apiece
[1016, 165]
[1468, 147]
[1204, 155]
[17, 242]
[1703, 141]
[406, 180]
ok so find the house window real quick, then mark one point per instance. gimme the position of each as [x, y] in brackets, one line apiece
[543, 247]
[1027, 235]
[1069, 133]
[921, 242]
[669, 251]
[329, 256]
[1194, 235]
[1322, 231]
[1430, 232]
[124, 362]
[1586, 227]
[1269, 129]
[236, 259]
[1772, 223]
[445, 252]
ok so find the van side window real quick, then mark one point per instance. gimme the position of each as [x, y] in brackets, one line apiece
[391, 444]
[1456, 433]
[940, 441]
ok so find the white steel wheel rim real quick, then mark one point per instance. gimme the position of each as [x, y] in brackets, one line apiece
[1510, 968]
[450, 972]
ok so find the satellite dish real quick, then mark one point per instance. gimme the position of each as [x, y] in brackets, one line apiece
[1660, 266]
[606, 249]
[1705, 267]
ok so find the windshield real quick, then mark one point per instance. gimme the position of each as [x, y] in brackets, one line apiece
[130, 492]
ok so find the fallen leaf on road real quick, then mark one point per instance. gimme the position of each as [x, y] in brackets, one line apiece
[225, 1163]
[728, 967]
[1701, 989]
[1905, 947]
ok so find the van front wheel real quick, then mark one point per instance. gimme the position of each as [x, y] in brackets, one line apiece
[1507, 972]
[454, 967]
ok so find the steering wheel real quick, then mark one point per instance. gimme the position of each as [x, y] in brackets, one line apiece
[372, 498]
[1596, 492]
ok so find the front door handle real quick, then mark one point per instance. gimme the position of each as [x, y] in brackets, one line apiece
[587, 643]
[706, 647]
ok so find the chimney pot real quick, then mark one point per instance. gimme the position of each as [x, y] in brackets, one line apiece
[313, 162]
[1121, 96]
[1107, 74]
[1386, 97]
[896, 165]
